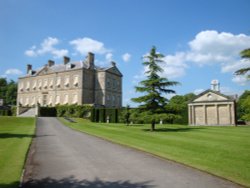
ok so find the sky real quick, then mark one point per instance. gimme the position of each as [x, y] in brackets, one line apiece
[201, 40]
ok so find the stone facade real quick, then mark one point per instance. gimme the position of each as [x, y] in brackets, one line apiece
[71, 83]
[212, 108]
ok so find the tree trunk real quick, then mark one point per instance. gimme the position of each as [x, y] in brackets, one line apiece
[153, 125]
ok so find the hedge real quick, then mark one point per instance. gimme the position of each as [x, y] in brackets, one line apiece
[79, 111]
[104, 114]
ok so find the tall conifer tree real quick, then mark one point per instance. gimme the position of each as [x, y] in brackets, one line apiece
[153, 87]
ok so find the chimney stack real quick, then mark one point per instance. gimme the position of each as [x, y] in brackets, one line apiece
[66, 60]
[29, 68]
[113, 63]
[90, 60]
[51, 63]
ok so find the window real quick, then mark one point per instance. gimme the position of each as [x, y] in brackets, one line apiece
[75, 99]
[40, 84]
[114, 83]
[21, 101]
[51, 83]
[66, 99]
[45, 84]
[50, 100]
[57, 99]
[28, 85]
[21, 86]
[108, 82]
[76, 81]
[66, 83]
[44, 100]
[27, 101]
[58, 82]
[33, 100]
[34, 85]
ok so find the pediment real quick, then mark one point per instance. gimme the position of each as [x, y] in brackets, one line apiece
[114, 70]
[210, 95]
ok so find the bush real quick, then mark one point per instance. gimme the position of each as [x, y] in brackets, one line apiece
[5, 112]
[77, 111]
[103, 114]
[13, 110]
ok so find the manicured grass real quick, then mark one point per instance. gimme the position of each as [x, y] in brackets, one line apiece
[15, 137]
[222, 151]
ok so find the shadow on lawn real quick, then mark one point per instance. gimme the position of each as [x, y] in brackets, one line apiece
[9, 135]
[175, 129]
[73, 182]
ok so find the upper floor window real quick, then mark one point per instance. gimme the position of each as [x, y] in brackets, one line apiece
[28, 85]
[34, 84]
[57, 99]
[45, 84]
[76, 81]
[58, 82]
[40, 84]
[66, 83]
[51, 83]
[21, 86]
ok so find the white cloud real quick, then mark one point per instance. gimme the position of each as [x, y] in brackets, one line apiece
[85, 45]
[208, 48]
[241, 80]
[47, 47]
[235, 65]
[13, 72]
[126, 57]
[109, 57]
[174, 66]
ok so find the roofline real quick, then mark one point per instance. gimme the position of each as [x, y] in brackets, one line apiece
[215, 92]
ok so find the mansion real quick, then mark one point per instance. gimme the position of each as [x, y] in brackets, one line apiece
[71, 83]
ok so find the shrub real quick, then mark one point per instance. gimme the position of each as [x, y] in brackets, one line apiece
[78, 111]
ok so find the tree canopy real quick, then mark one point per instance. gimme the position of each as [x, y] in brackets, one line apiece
[245, 54]
[152, 103]
[8, 91]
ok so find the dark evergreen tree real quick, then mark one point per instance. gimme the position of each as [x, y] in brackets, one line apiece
[153, 103]
[245, 54]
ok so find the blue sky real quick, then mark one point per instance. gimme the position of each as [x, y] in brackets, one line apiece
[200, 39]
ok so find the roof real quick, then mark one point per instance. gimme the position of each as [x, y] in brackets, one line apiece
[65, 67]
[227, 98]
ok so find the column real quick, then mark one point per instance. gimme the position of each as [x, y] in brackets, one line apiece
[217, 114]
[205, 114]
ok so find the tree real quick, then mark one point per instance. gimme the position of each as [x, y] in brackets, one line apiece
[179, 105]
[153, 87]
[245, 54]
[8, 91]
[243, 106]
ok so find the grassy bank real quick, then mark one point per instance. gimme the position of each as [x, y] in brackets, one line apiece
[223, 151]
[15, 136]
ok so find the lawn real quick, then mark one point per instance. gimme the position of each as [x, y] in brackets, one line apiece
[222, 151]
[15, 137]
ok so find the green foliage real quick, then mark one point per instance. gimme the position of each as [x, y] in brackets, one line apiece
[243, 106]
[178, 105]
[5, 112]
[153, 87]
[245, 54]
[104, 114]
[13, 110]
[8, 91]
[80, 111]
